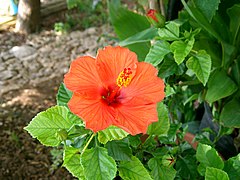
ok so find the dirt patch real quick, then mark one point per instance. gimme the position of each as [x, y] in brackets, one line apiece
[21, 156]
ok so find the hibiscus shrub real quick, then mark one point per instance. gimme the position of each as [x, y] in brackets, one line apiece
[132, 112]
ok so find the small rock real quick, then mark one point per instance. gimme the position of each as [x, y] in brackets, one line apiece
[4, 75]
[22, 51]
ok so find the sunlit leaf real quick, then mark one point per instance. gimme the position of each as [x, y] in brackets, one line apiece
[111, 133]
[133, 169]
[208, 157]
[215, 174]
[200, 64]
[63, 95]
[170, 32]
[157, 52]
[47, 124]
[97, 164]
[71, 161]
[232, 167]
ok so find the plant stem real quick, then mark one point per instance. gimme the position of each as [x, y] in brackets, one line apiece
[90, 139]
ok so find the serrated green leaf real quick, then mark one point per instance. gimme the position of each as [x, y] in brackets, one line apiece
[208, 157]
[186, 167]
[160, 172]
[162, 126]
[168, 67]
[230, 115]
[111, 133]
[219, 86]
[46, 124]
[170, 32]
[232, 167]
[63, 95]
[71, 161]
[157, 52]
[181, 49]
[207, 7]
[119, 150]
[134, 169]
[200, 64]
[143, 36]
[98, 165]
[215, 174]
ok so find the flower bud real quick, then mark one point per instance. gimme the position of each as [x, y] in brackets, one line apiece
[155, 18]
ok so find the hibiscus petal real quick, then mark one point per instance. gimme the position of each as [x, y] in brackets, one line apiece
[83, 77]
[112, 60]
[146, 87]
[135, 119]
[96, 114]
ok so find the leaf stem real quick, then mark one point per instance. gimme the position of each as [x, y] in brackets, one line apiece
[90, 139]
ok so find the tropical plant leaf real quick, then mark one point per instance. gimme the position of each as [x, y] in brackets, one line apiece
[200, 64]
[157, 52]
[187, 166]
[219, 86]
[48, 125]
[97, 164]
[119, 150]
[71, 161]
[63, 95]
[232, 167]
[170, 32]
[143, 36]
[160, 172]
[126, 24]
[111, 133]
[162, 126]
[133, 169]
[207, 7]
[168, 67]
[208, 157]
[230, 115]
[215, 174]
[181, 49]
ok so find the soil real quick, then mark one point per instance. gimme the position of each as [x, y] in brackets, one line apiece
[21, 156]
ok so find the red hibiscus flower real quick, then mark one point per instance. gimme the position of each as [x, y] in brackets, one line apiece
[114, 89]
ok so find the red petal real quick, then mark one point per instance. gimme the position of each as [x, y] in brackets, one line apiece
[146, 87]
[96, 115]
[112, 60]
[135, 119]
[83, 77]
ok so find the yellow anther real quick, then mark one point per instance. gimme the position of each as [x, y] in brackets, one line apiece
[124, 77]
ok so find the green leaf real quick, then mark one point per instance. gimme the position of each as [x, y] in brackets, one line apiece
[143, 36]
[160, 172]
[215, 174]
[168, 67]
[157, 52]
[127, 23]
[186, 167]
[232, 167]
[98, 165]
[200, 64]
[170, 32]
[63, 95]
[111, 133]
[162, 126]
[236, 71]
[219, 86]
[181, 49]
[46, 125]
[230, 115]
[234, 14]
[71, 158]
[207, 7]
[119, 150]
[208, 157]
[133, 169]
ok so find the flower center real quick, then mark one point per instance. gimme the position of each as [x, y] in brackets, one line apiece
[124, 79]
